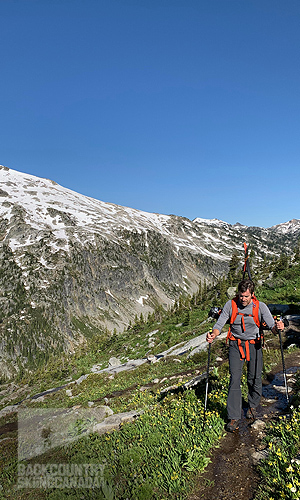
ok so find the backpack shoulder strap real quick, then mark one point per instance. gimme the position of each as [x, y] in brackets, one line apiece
[234, 309]
[234, 312]
[255, 310]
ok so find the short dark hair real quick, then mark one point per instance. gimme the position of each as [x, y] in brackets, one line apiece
[245, 285]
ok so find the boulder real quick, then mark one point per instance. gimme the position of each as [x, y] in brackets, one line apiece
[114, 362]
[7, 410]
[114, 421]
[257, 456]
[231, 292]
[258, 425]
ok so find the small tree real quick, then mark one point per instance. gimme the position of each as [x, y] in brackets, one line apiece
[233, 268]
[296, 257]
[199, 294]
[186, 319]
[223, 288]
[282, 264]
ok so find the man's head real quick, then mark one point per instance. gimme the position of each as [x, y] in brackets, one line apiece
[245, 291]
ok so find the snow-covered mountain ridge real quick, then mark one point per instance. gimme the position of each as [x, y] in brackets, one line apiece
[53, 208]
[71, 264]
[62, 212]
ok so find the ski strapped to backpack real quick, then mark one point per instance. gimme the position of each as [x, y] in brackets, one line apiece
[246, 267]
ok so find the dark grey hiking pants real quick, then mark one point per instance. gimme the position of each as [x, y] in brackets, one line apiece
[254, 378]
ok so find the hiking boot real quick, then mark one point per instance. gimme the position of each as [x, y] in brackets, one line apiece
[251, 413]
[232, 426]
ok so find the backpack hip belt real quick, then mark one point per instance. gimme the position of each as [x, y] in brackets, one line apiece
[247, 348]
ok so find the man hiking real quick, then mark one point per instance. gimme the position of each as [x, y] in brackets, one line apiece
[245, 314]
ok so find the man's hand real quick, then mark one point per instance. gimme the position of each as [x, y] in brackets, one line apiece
[279, 325]
[210, 336]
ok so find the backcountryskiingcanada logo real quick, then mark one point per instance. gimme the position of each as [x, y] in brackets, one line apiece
[60, 476]
[41, 430]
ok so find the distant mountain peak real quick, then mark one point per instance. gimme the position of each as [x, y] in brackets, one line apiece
[210, 222]
[291, 226]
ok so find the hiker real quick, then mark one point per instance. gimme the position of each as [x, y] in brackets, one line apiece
[245, 314]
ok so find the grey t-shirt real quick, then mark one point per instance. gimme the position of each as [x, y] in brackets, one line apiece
[251, 329]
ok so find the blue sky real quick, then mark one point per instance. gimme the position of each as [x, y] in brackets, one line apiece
[186, 107]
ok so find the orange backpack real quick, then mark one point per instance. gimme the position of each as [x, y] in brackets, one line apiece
[234, 314]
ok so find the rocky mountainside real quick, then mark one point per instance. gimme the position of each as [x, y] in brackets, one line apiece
[71, 265]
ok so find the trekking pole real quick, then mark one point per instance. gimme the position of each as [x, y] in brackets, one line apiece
[206, 385]
[285, 321]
